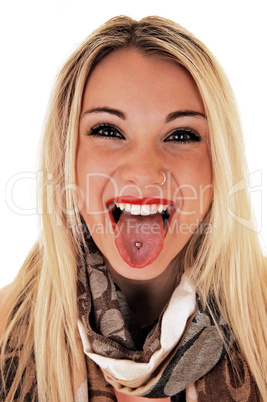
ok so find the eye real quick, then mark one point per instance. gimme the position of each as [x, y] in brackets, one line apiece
[105, 131]
[183, 136]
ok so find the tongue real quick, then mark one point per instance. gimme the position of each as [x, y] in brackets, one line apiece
[139, 239]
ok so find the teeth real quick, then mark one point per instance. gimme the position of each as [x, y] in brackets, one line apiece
[153, 208]
[160, 208]
[127, 207]
[144, 210]
[135, 209]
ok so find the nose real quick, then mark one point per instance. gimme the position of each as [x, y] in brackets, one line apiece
[143, 167]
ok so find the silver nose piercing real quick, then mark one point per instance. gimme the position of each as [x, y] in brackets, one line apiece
[164, 179]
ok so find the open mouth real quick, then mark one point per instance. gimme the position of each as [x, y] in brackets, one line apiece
[140, 227]
[165, 210]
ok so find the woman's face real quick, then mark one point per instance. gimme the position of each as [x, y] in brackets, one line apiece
[143, 149]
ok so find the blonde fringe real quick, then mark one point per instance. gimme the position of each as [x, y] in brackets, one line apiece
[228, 267]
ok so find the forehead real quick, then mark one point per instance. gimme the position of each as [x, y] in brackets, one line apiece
[130, 75]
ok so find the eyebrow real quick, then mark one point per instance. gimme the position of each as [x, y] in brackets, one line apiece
[183, 113]
[106, 109]
[172, 116]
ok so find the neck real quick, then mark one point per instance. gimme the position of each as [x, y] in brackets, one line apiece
[147, 298]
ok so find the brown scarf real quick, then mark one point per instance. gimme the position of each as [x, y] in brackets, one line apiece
[111, 334]
[119, 346]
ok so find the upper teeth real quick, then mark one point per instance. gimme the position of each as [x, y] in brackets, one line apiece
[142, 209]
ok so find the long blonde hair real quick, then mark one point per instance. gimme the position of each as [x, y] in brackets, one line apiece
[228, 265]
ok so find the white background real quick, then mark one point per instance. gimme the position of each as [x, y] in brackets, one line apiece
[37, 37]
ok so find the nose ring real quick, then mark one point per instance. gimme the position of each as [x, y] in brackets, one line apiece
[164, 179]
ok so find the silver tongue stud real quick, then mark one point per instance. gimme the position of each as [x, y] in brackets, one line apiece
[138, 244]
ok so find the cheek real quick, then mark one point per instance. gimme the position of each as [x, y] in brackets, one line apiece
[194, 190]
[94, 179]
[85, 179]
[203, 185]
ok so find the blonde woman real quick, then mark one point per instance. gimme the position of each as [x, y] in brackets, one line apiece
[147, 280]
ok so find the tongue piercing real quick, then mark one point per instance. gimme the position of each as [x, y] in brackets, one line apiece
[138, 245]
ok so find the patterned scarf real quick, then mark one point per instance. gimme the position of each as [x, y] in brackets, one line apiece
[181, 351]
[183, 347]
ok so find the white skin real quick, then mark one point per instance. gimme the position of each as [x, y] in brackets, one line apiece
[145, 90]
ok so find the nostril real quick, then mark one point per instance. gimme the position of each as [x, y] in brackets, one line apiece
[142, 172]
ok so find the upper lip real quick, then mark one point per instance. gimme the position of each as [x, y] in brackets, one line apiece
[140, 201]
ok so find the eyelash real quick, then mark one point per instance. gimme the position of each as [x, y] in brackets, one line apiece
[111, 132]
[181, 136]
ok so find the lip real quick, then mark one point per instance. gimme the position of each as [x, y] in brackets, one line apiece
[140, 201]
